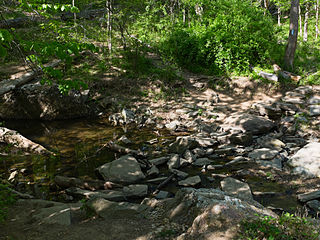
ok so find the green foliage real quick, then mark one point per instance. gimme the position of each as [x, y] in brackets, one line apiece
[5, 39]
[7, 198]
[286, 227]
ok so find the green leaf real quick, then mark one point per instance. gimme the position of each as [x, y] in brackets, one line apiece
[74, 9]
[3, 51]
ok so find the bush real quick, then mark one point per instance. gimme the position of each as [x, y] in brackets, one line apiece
[230, 36]
[286, 227]
[6, 198]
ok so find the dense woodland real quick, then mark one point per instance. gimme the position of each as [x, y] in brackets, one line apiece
[215, 37]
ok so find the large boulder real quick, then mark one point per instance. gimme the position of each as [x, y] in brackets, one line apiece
[36, 101]
[211, 213]
[122, 170]
[307, 160]
[249, 123]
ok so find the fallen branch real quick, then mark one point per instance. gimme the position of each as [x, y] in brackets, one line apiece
[165, 182]
[14, 138]
[9, 85]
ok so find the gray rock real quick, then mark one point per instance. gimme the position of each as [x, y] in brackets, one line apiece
[174, 161]
[304, 90]
[36, 101]
[111, 195]
[179, 174]
[162, 195]
[275, 163]
[159, 161]
[244, 139]
[54, 215]
[189, 156]
[225, 150]
[306, 160]
[238, 160]
[128, 115]
[272, 143]
[314, 100]
[314, 205]
[263, 154]
[182, 144]
[199, 152]
[236, 188]
[173, 125]
[205, 142]
[201, 162]
[125, 140]
[108, 209]
[305, 197]
[249, 123]
[190, 181]
[153, 171]
[210, 212]
[122, 170]
[136, 190]
[314, 110]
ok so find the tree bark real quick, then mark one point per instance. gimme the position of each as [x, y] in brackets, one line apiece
[300, 22]
[317, 19]
[279, 14]
[293, 35]
[306, 18]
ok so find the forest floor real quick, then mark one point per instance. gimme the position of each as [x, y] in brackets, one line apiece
[236, 95]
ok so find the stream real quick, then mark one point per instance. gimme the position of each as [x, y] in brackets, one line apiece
[78, 144]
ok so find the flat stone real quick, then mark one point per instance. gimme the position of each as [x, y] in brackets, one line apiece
[54, 215]
[182, 144]
[244, 139]
[174, 161]
[202, 162]
[238, 160]
[236, 188]
[249, 123]
[272, 143]
[136, 190]
[305, 197]
[205, 142]
[314, 205]
[191, 181]
[153, 171]
[159, 161]
[314, 100]
[199, 152]
[108, 209]
[173, 125]
[314, 110]
[111, 195]
[275, 163]
[307, 160]
[263, 154]
[162, 195]
[122, 170]
[179, 174]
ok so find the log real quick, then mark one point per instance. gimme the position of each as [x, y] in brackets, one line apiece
[9, 85]
[14, 138]
[285, 74]
[117, 148]
[165, 182]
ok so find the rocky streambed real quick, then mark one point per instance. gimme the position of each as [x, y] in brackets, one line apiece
[195, 163]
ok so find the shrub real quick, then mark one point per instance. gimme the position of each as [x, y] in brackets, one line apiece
[231, 35]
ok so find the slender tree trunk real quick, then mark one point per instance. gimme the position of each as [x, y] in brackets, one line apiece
[74, 14]
[279, 14]
[109, 24]
[300, 22]
[293, 35]
[266, 6]
[317, 19]
[306, 18]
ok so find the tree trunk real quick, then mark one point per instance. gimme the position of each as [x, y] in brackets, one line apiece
[109, 23]
[305, 28]
[300, 22]
[279, 14]
[74, 14]
[317, 19]
[293, 35]
[266, 6]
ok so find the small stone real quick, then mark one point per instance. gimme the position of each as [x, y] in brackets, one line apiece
[174, 161]
[159, 161]
[201, 162]
[314, 205]
[179, 174]
[189, 156]
[263, 154]
[244, 139]
[314, 110]
[236, 188]
[125, 140]
[237, 160]
[153, 171]
[162, 195]
[199, 152]
[137, 190]
[191, 181]
[314, 100]
[173, 125]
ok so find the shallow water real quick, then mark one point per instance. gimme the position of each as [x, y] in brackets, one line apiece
[78, 146]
